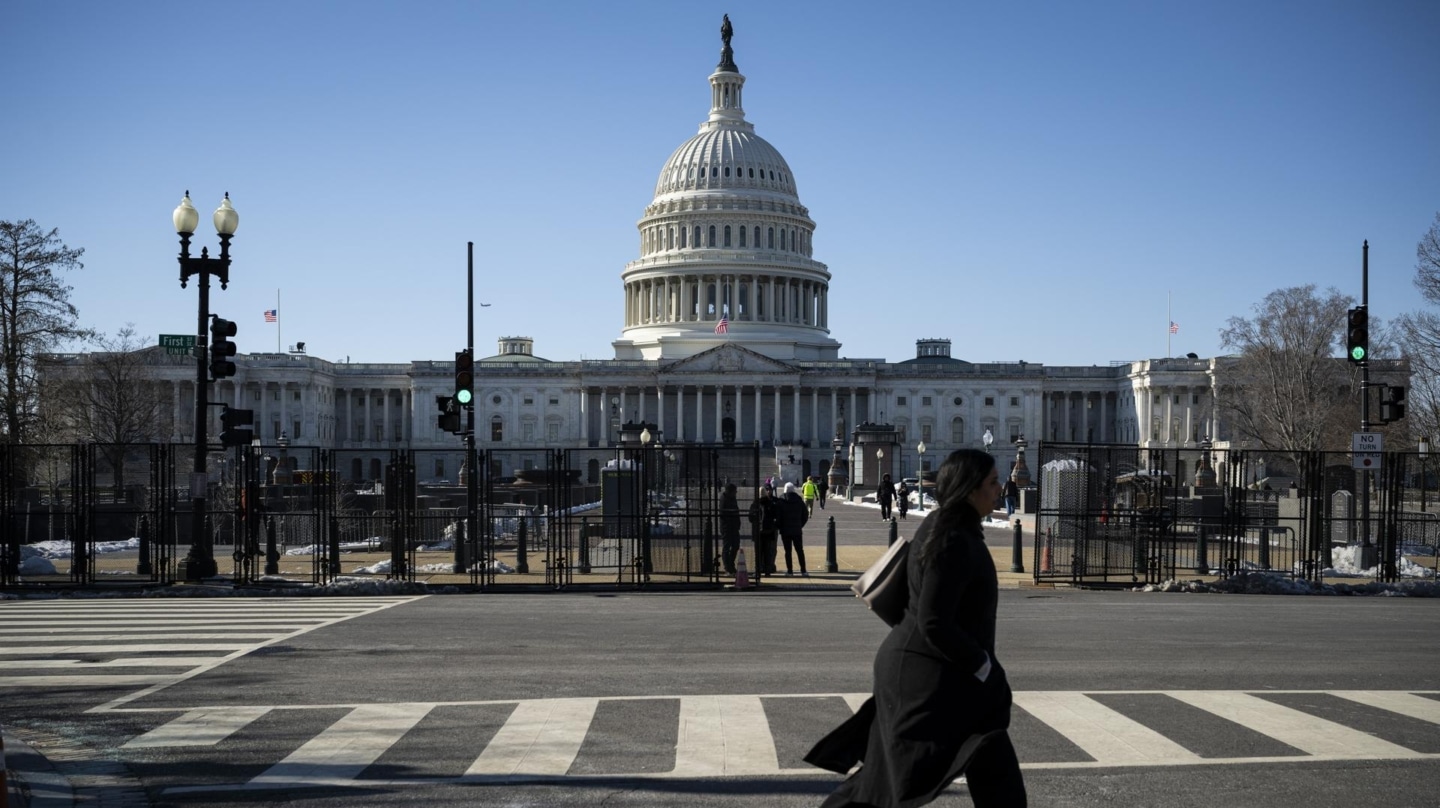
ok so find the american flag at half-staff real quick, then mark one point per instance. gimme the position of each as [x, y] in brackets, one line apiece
[722, 327]
[272, 315]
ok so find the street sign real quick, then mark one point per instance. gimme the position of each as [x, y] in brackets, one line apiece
[1366, 450]
[178, 344]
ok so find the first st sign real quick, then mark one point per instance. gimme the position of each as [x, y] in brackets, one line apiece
[1365, 450]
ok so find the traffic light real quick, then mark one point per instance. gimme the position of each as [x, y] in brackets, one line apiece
[449, 419]
[221, 348]
[235, 427]
[464, 378]
[1392, 406]
[1357, 335]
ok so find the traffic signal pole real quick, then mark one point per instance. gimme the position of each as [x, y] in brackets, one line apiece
[1368, 555]
[472, 485]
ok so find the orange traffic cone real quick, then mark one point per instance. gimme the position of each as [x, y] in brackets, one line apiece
[1045, 553]
[742, 573]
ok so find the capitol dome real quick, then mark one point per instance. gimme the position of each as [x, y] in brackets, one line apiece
[725, 247]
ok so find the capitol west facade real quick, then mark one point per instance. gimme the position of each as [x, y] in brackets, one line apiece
[726, 236]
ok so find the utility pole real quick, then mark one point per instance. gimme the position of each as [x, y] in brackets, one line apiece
[1368, 554]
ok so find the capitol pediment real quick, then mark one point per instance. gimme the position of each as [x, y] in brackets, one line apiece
[730, 359]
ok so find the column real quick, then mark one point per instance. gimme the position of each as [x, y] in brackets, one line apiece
[814, 417]
[795, 433]
[776, 427]
[680, 413]
[719, 410]
[660, 409]
[854, 420]
[759, 435]
[584, 416]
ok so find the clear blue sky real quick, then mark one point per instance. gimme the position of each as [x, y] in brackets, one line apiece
[1028, 179]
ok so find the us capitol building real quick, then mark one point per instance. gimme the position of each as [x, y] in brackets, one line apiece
[725, 240]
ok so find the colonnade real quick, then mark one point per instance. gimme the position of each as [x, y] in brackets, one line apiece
[712, 413]
[749, 297]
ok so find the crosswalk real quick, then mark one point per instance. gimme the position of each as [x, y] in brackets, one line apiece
[137, 647]
[151, 643]
[698, 736]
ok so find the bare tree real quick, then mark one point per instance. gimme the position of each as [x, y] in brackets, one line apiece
[35, 315]
[110, 397]
[1419, 335]
[1290, 392]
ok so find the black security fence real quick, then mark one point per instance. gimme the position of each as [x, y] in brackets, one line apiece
[79, 515]
[1124, 515]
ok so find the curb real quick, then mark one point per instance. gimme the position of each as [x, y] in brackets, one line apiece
[35, 782]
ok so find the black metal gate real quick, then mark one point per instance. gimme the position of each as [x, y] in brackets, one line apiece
[1111, 514]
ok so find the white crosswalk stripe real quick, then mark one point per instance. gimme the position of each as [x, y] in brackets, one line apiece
[54, 643]
[732, 735]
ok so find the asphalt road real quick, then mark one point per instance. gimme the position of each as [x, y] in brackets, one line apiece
[626, 697]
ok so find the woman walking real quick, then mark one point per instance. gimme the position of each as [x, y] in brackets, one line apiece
[941, 705]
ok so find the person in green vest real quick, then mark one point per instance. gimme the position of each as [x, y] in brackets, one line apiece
[809, 492]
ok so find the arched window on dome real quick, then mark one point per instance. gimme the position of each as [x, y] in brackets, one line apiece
[752, 173]
[670, 239]
[727, 235]
[714, 171]
[696, 242]
[742, 237]
[770, 238]
[711, 242]
[727, 171]
[757, 236]
[772, 176]
[682, 238]
[782, 239]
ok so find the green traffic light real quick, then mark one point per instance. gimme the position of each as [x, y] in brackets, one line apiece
[464, 396]
[1357, 354]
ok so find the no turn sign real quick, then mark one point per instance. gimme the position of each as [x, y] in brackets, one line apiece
[1366, 450]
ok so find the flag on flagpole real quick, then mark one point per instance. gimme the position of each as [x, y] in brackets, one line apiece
[722, 327]
[1174, 327]
[272, 315]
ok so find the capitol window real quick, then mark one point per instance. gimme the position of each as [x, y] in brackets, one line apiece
[752, 173]
[714, 171]
[727, 235]
[711, 242]
[742, 237]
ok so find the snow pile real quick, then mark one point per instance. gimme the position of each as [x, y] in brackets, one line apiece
[62, 548]
[1275, 583]
[1346, 562]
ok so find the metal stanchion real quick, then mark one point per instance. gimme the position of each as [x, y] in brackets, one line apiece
[831, 564]
[894, 531]
[1017, 564]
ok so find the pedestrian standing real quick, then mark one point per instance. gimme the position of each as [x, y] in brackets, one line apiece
[824, 490]
[764, 521]
[793, 516]
[729, 527]
[902, 498]
[885, 495]
[941, 705]
[1012, 495]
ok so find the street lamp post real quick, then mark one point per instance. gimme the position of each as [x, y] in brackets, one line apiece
[920, 477]
[200, 562]
[987, 439]
[1424, 449]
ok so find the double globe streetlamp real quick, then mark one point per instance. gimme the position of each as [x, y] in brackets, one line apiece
[920, 477]
[200, 562]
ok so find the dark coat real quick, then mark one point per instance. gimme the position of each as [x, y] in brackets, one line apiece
[793, 515]
[763, 517]
[729, 515]
[885, 493]
[929, 713]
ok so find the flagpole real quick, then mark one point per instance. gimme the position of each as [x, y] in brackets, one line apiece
[277, 321]
[1169, 321]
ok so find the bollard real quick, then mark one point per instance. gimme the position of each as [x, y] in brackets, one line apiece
[459, 565]
[831, 565]
[1264, 555]
[894, 530]
[522, 561]
[1017, 564]
[585, 545]
[334, 549]
[272, 554]
[1202, 564]
[143, 566]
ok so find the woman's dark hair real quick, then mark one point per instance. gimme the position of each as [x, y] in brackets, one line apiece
[962, 472]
